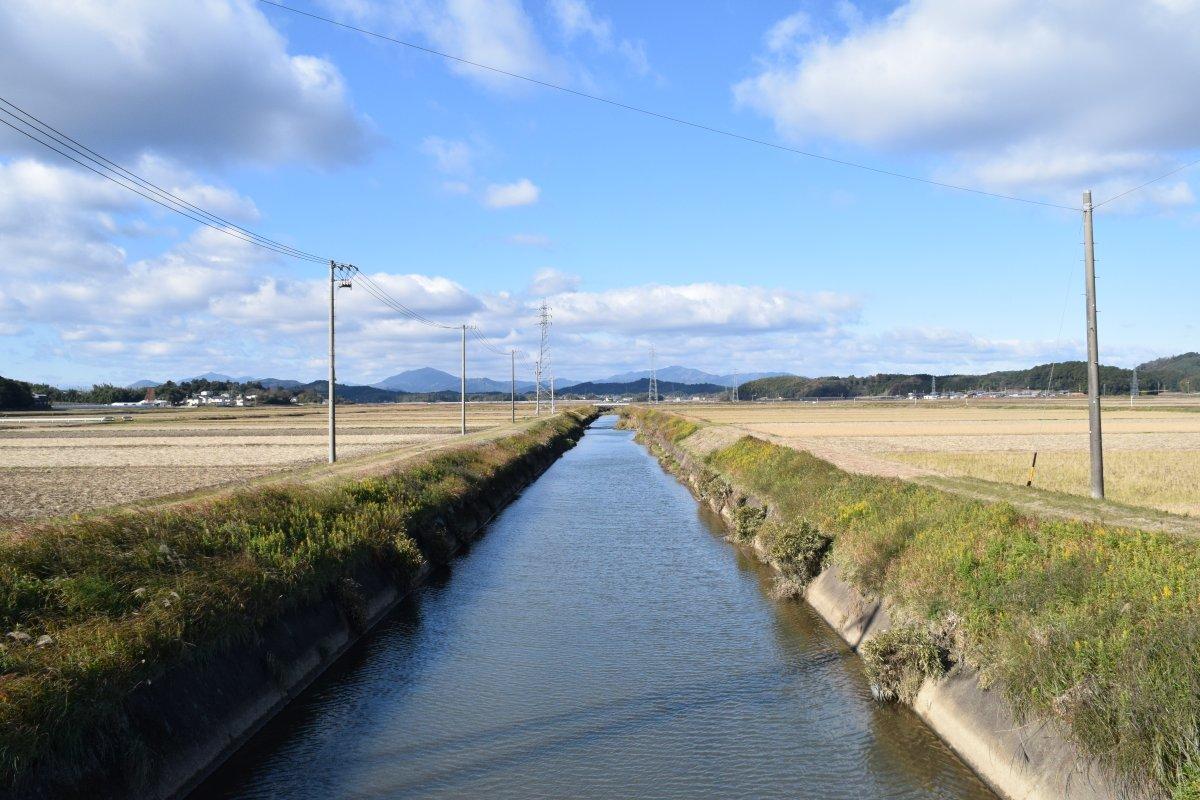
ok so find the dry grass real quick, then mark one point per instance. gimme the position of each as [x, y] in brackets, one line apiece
[1166, 480]
[1152, 450]
[48, 469]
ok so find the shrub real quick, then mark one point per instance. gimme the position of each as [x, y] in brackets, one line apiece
[796, 549]
[898, 660]
[746, 521]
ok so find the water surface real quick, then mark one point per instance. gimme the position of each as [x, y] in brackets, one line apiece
[601, 641]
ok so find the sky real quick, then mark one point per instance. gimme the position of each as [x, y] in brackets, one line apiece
[473, 196]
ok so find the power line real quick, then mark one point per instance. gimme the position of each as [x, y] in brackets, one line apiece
[153, 199]
[659, 115]
[99, 169]
[1147, 183]
[45, 129]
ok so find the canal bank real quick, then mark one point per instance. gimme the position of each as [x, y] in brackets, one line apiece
[787, 509]
[603, 640]
[195, 625]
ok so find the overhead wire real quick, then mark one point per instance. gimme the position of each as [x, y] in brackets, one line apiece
[155, 200]
[659, 115]
[1147, 183]
[45, 129]
[72, 149]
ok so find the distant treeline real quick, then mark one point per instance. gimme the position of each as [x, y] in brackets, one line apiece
[18, 395]
[590, 389]
[1177, 373]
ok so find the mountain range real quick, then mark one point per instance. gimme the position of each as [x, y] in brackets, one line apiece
[428, 379]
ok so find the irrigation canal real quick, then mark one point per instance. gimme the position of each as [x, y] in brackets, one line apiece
[600, 641]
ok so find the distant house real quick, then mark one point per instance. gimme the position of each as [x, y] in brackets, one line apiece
[224, 399]
[40, 401]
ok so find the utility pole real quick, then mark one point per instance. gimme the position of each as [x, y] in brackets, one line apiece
[335, 283]
[463, 399]
[329, 395]
[1133, 387]
[552, 392]
[513, 355]
[1093, 364]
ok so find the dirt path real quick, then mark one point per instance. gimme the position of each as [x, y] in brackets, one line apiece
[1032, 500]
[36, 493]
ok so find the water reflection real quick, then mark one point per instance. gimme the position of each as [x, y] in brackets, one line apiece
[602, 641]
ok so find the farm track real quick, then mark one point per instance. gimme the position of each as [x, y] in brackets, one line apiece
[163, 458]
[885, 455]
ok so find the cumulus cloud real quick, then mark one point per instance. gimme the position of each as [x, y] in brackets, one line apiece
[696, 307]
[509, 195]
[209, 80]
[552, 281]
[1021, 93]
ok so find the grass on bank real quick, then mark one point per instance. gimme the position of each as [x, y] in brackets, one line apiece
[1164, 479]
[94, 606]
[1097, 626]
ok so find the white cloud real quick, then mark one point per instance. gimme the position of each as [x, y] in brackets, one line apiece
[509, 195]
[452, 156]
[209, 80]
[784, 35]
[1051, 90]
[575, 19]
[494, 32]
[550, 281]
[707, 307]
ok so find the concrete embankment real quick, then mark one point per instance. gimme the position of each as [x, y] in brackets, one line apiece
[185, 716]
[1022, 759]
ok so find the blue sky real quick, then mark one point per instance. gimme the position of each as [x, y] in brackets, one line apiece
[473, 196]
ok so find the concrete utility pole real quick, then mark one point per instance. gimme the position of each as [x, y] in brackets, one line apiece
[335, 283]
[463, 399]
[1093, 363]
[330, 394]
[551, 392]
[513, 355]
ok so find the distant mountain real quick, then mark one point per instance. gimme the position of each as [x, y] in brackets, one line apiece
[677, 374]
[428, 379]
[1174, 373]
[211, 376]
[143, 384]
[425, 379]
[638, 388]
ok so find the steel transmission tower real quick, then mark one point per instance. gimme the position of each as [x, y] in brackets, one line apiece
[543, 359]
[652, 389]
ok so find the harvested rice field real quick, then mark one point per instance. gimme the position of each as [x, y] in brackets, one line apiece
[1152, 451]
[65, 463]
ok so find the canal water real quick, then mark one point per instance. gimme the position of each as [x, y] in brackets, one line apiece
[600, 641]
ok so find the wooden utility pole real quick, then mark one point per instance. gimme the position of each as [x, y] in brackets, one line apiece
[1093, 347]
[463, 399]
[513, 355]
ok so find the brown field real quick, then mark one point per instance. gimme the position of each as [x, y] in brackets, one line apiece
[1152, 450]
[57, 467]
